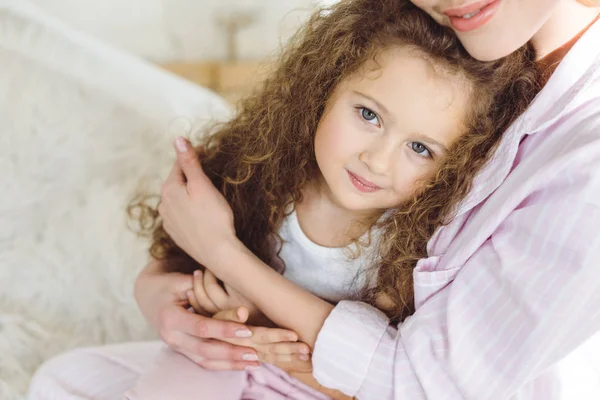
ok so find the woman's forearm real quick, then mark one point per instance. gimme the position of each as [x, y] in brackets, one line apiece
[284, 303]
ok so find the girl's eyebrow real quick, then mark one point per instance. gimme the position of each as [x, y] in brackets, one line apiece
[378, 104]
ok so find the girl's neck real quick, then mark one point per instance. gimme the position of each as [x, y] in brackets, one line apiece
[327, 223]
[568, 19]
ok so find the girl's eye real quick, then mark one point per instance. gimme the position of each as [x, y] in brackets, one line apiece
[420, 149]
[369, 115]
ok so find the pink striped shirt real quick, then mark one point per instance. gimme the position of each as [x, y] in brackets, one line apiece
[508, 300]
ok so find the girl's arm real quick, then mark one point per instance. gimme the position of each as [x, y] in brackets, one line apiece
[283, 302]
[200, 221]
[206, 288]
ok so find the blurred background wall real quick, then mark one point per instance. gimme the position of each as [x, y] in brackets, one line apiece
[219, 44]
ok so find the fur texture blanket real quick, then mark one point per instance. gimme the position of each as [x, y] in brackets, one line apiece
[83, 127]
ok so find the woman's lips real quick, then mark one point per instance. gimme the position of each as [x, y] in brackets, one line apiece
[472, 16]
[362, 184]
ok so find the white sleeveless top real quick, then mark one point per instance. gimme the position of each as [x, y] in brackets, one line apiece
[330, 273]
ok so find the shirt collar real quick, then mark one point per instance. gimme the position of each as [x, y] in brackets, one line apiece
[578, 68]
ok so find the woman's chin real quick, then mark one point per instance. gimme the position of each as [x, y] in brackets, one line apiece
[489, 50]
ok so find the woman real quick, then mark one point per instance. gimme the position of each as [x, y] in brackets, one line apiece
[506, 303]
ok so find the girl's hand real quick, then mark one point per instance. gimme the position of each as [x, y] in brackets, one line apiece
[194, 213]
[287, 354]
[209, 296]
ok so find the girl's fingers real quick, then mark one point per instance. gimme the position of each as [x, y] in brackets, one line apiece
[191, 297]
[286, 359]
[293, 366]
[261, 335]
[203, 300]
[238, 314]
[296, 349]
[215, 292]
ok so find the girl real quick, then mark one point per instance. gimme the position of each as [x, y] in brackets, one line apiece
[372, 126]
[507, 299]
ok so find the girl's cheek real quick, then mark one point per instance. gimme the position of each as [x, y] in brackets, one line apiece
[407, 179]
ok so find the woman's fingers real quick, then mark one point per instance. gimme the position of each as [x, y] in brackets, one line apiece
[189, 161]
[272, 345]
[220, 365]
[176, 319]
[200, 350]
[216, 355]
[201, 296]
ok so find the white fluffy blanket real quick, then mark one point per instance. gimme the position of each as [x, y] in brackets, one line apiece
[82, 128]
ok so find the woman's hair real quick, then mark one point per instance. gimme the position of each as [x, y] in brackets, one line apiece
[264, 157]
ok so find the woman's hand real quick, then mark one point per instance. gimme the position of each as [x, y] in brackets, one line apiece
[162, 298]
[194, 213]
[218, 344]
[210, 296]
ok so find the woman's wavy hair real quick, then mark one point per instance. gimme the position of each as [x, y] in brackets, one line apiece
[263, 158]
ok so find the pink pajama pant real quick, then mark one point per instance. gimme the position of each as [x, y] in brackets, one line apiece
[151, 371]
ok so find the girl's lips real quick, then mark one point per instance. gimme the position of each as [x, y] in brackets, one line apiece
[362, 184]
[484, 10]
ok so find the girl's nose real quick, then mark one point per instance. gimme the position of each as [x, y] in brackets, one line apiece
[378, 156]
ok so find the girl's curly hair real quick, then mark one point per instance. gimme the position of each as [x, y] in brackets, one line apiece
[262, 159]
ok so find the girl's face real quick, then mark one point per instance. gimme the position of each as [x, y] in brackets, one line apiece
[492, 29]
[386, 129]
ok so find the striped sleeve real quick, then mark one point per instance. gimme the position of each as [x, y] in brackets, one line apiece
[525, 299]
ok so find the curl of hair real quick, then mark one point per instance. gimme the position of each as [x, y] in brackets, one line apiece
[263, 158]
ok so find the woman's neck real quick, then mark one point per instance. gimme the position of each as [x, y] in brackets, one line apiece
[568, 19]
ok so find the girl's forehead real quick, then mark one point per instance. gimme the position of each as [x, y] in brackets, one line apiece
[402, 68]
[408, 60]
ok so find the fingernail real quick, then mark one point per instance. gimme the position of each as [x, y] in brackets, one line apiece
[291, 338]
[243, 333]
[304, 350]
[181, 144]
[250, 357]
[303, 357]
[238, 313]
[197, 273]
